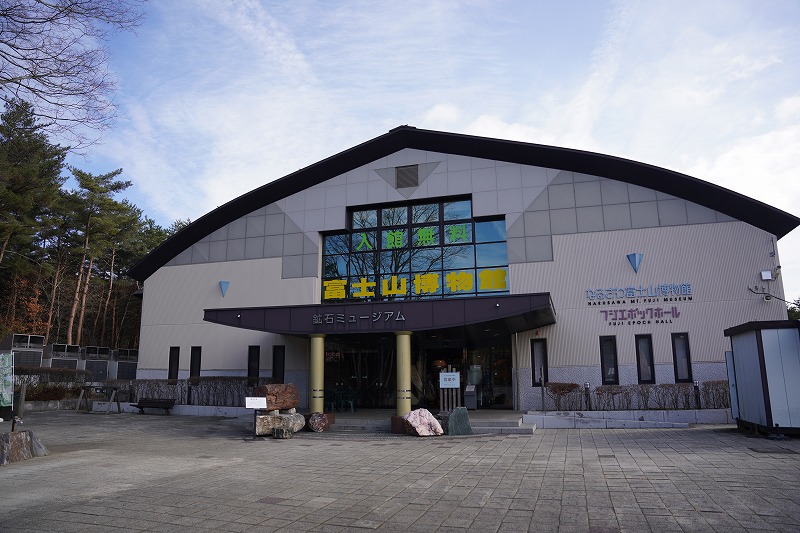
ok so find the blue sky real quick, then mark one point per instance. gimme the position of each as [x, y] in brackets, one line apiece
[217, 97]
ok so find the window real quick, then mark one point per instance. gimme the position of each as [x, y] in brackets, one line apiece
[174, 362]
[681, 358]
[608, 360]
[253, 364]
[278, 363]
[404, 251]
[644, 359]
[539, 361]
[194, 363]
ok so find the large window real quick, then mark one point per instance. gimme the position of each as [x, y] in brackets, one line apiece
[422, 250]
[681, 357]
[253, 364]
[608, 360]
[174, 362]
[194, 363]
[539, 361]
[644, 359]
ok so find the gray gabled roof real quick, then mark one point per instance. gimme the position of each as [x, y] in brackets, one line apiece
[733, 204]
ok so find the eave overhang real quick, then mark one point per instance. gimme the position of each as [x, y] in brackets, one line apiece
[476, 317]
[733, 204]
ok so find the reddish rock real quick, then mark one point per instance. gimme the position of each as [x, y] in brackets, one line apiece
[279, 395]
[318, 422]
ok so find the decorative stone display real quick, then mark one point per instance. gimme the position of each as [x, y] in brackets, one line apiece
[422, 423]
[266, 423]
[296, 421]
[282, 433]
[19, 446]
[318, 422]
[279, 395]
[455, 422]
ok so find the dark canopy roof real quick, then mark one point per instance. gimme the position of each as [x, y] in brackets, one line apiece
[474, 318]
[733, 204]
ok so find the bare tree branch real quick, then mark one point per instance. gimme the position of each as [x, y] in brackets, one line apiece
[54, 54]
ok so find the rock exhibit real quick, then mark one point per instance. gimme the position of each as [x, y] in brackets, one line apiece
[279, 395]
[455, 422]
[318, 422]
[422, 423]
[293, 422]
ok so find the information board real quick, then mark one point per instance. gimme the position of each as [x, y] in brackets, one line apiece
[6, 380]
[255, 402]
[449, 380]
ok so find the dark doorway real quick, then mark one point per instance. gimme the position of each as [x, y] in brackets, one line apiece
[360, 375]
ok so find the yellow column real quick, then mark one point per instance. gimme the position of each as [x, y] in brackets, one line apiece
[317, 373]
[403, 372]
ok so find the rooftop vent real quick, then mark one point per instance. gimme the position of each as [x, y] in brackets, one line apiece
[407, 176]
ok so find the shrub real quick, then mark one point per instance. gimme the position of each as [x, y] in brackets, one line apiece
[716, 394]
[34, 375]
[568, 393]
[614, 397]
[228, 391]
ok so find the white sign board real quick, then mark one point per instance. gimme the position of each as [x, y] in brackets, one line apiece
[449, 380]
[255, 402]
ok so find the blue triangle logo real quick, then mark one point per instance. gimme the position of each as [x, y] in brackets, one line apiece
[636, 261]
[223, 286]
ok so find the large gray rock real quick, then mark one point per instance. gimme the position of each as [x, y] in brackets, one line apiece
[455, 422]
[422, 423]
[266, 423]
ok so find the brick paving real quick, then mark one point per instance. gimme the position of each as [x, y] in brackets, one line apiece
[130, 472]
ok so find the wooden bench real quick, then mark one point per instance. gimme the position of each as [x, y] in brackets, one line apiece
[154, 403]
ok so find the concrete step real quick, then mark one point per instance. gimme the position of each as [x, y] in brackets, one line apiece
[567, 421]
[519, 429]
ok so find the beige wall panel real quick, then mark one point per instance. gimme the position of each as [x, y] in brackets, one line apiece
[174, 300]
[179, 294]
[719, 260]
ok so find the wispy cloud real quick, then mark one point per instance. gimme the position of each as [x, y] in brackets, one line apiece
[221, 97]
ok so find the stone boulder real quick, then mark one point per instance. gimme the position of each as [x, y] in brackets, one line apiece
[20, 446]
[422, 423]
[455, 422]
[279, 395]
[266, 423]
[318, 422]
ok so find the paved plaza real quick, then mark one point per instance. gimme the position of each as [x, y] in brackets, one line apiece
[129, 472]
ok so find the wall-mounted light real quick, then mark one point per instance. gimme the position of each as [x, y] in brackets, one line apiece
[766, 275]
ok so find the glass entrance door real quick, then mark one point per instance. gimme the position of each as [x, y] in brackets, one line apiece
[490, 370]
[360, 376]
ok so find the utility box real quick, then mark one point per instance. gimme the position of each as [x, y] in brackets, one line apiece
[763, 372]
[470, 397]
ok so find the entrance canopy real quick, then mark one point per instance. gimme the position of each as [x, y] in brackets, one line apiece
[476, 317]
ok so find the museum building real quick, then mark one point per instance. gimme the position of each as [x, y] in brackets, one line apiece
[367, 274]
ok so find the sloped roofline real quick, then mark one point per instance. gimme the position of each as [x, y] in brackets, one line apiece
[731, 203]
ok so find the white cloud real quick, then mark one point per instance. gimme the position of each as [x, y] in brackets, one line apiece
[222, 97]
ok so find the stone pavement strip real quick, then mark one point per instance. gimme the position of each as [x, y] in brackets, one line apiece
[130, 472]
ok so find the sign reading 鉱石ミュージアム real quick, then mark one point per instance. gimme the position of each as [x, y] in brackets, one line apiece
[6, 380]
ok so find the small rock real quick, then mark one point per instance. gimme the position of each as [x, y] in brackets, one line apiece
[455, 422]
[318, 422]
